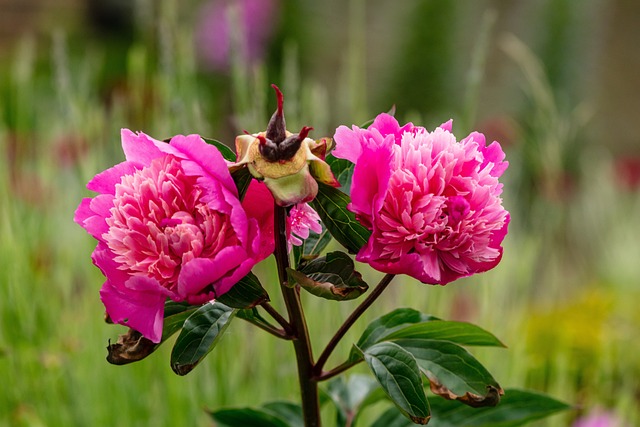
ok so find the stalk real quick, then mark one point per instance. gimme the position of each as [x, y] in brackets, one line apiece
[298, 325]
[346, 326]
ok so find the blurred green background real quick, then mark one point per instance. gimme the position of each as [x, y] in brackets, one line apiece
[555, 81]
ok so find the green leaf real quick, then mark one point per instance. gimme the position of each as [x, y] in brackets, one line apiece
[332, 277]
[243, 417]
[242, 178]
[201, 332]
[453, 372]
[331, 205]
[351, 396]
[343, 171]
[517, 407]
[383, 326]
[247, 293]
[174, 320]
[394, 418]
[312, 246]
[397, 372]
[226, 152]
[288, 411]
[458, 332]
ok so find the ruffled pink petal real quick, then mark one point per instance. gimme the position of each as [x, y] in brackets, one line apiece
[371, 177]
[199, 273]
[447, 125]
[105, 182]
[348, 143]
[139, 148]
[203, 160]
[140, 310]
[258, 204]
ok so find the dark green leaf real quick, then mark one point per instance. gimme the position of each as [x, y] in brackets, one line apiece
[253, 316]
[394, 418]
[312, 246]
[242, 178]
[351, 396]
[244, 417]
[517, 407]
[458, 332]
[397, 372]
[383, 326]
[332, 277]
[174, 322]
[247, 293]
[226, 152]
[453, 372]
[331, 205]
[343, 171]
[201, 332]
[288, 411]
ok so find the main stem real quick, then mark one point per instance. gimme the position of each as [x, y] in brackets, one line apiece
[301, 343]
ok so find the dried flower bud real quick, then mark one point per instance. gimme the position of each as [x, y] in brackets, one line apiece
[288, 163]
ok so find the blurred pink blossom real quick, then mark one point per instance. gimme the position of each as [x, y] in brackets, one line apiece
[215, 36]
[598, 418]
[432, 203]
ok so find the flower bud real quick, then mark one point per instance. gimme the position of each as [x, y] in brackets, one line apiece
[288, 163]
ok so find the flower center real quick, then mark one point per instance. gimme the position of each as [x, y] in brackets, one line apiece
[158, 222]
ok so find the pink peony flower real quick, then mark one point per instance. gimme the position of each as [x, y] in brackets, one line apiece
[432, 203]
[169, 224]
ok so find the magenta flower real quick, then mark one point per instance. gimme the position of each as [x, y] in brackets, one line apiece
[432, 203]
[169, 224]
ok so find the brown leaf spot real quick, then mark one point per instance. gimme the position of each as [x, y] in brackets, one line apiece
[491, 398]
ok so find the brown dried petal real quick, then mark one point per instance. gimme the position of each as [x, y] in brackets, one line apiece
[130, 347]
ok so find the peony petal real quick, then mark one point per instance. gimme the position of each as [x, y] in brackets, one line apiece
[348, 143]
[140, 310]
[371, 177]
[139, 148]
[199, 273]
[105, 182]
[448, 125]
[204, 161]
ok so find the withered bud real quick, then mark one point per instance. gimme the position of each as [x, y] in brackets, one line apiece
[276, 129]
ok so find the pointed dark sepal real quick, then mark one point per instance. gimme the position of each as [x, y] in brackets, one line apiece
[277, 126]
